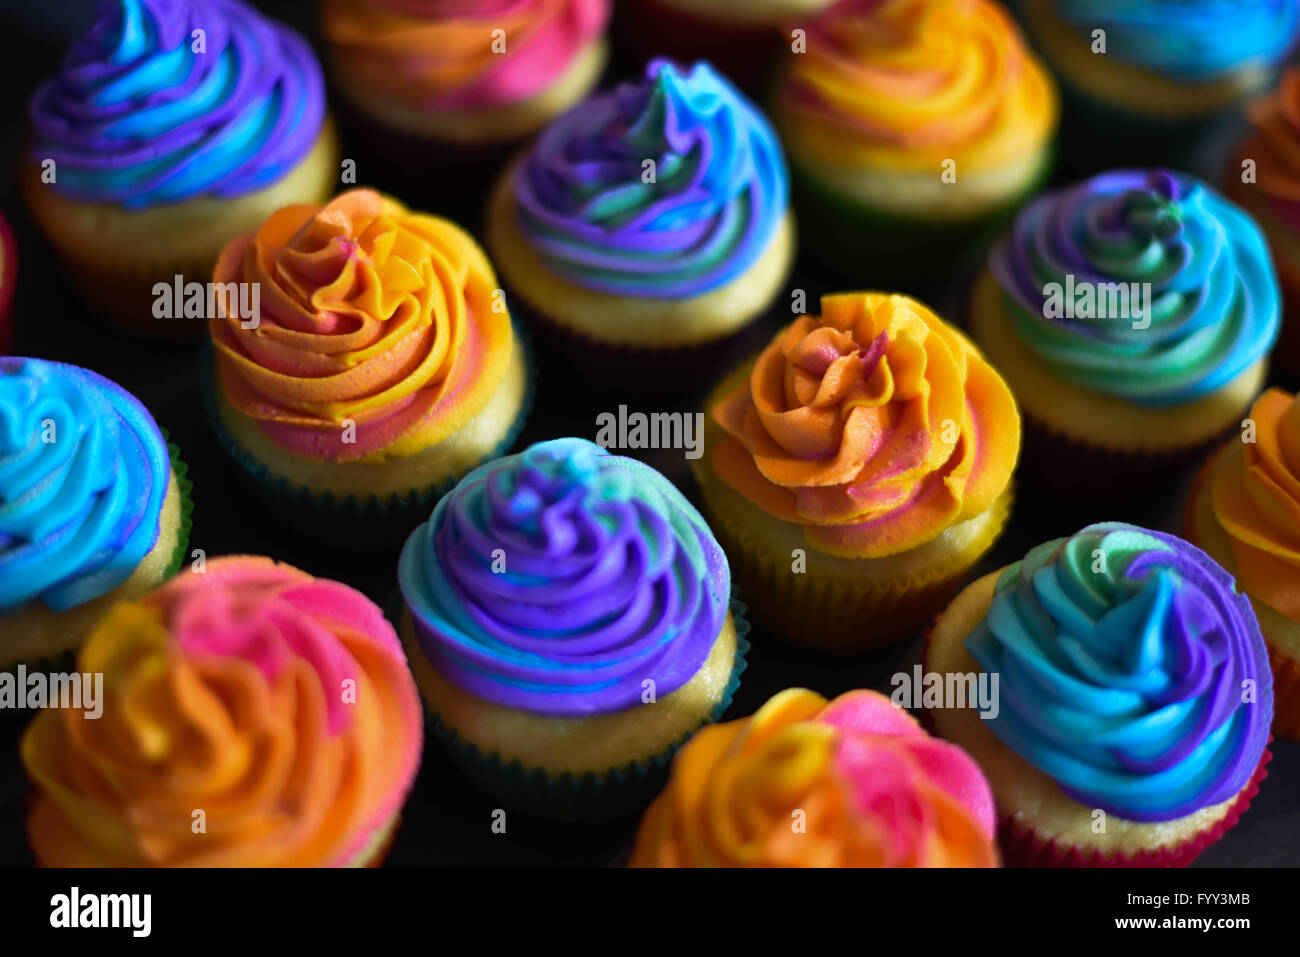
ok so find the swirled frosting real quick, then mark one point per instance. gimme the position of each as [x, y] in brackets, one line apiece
[165, 100]
[440, 54]
[369, 314]
[1124, 657]
[1213, 307]
[1274, 144]
[1257, 502]
[908, 84]
[83, 476]
[1190, 39]
[277, 704]
[560, 579]
[874, 426]
[600, 216]
[804, 782]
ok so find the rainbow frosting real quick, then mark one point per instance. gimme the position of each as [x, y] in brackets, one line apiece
[370, 314]
[805, 782]
[1212, 300]
[590, 208]
[83, 475]
[875, 427]
[166, 100]
[1194, 40]
[1131, 672]
[906, 85]
[444, 54]
[276, 704]
[560, 579]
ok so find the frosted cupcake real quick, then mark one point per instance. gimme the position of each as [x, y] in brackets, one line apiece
[252, 716]
[1132, 316]
[912, 127]
[805, 782]
[1243, 513]
[653, 215]
[857, 469]
[172, 127]
[94, 505]
[567, 618]
[381, 367]
[1143, 81]
[1133, 705]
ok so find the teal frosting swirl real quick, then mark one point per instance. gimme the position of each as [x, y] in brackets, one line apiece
[83, 475]
[1131, 671]
[1202, 293]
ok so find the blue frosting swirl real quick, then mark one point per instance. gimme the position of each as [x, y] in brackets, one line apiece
[83, 475]
[720, 187]
[1123, 658]
[136, 115]
[1191, 39]
[561, 579]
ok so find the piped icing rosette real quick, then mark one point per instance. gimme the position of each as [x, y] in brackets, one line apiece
[874, 427]
[1189, 39]
[370, 314]
[83, 475]
[1211, 309]
[446, 55]
[275, 703]
[561, 579]
[1273, 143]
[1131, 672]
[908, 84]
[591, 210]
[166, 100]
[805, 782]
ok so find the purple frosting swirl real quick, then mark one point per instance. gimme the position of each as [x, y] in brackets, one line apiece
[561, 579]
[164, 100]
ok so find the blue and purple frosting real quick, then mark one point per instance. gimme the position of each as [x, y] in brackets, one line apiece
[83, 475]
[561, 579]
[719, 188]
[1131, 672]
[162, 101]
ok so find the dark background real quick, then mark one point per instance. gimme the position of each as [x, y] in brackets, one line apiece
[445, 822]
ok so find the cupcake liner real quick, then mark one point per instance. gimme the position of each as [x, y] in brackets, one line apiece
[371, 523]
[588, 797]
[1286, 694]
[8, 278]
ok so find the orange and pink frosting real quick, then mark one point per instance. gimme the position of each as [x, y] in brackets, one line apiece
[1273, 143]
[252, 716]
[381, 331]
[853, 782]
[874, 426]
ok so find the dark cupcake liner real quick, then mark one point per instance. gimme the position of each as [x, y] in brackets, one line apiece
[371, 523]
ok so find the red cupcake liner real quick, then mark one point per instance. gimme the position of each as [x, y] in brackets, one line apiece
[8, 276]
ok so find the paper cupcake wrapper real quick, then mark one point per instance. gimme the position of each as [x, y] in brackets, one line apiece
[591, 796]
[371, 522]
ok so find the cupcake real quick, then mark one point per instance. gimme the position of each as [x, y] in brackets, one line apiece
[94, 505]
[857, 469]
[740, 39]
[805, 782]
[651, 216]
[1243, 513]
[1144, 82]
[8, 278]
[566, 615]
[913, 127]
[1132, 698]
[172, 127]
[380, 365]
[1132, 315]
[1263, 175]
[251, 716]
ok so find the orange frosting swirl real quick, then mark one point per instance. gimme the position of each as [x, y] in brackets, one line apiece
[1257, 501]
[875, 427]
[806, 783]
[369, 313]
[1274, 144]
[907, 84]
[276, 704]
